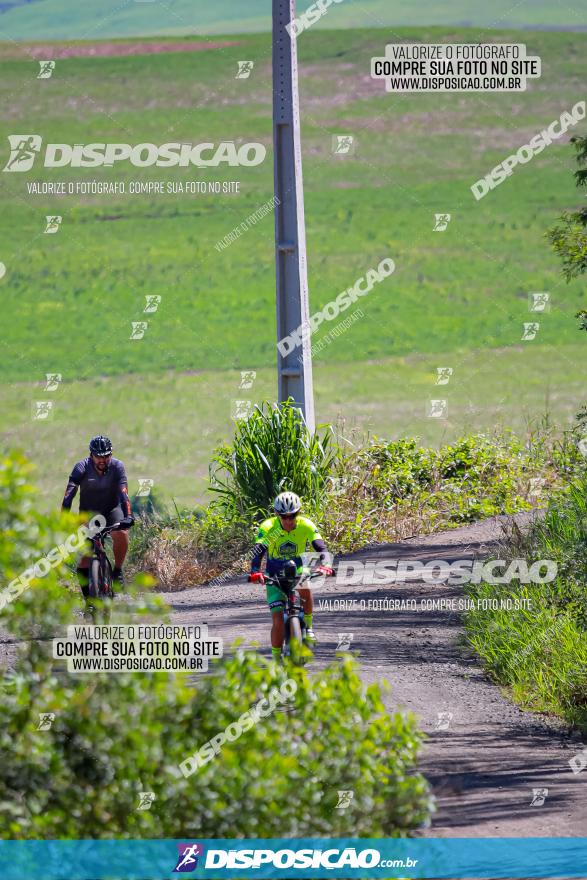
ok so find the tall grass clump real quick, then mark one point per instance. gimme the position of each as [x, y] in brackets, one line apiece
[273, 451]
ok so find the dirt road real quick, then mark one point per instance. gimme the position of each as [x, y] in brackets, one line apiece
[484, 757]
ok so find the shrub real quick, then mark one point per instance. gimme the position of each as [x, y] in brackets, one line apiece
[273, 451]
[183, 550]
[389, 491]
[541, 651]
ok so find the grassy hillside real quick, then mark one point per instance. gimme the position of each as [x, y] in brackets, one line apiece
[67, 19]
[458, 298]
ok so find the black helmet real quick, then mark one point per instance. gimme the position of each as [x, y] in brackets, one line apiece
[100, 445]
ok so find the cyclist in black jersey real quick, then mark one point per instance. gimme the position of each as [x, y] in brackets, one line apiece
[103, 487]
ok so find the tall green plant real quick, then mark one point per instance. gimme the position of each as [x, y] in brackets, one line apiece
[273, 451]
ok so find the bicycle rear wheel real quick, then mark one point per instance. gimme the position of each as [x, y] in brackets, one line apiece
[107, 582]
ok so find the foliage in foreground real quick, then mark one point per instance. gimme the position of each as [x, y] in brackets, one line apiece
[115, 735]
[541, 651]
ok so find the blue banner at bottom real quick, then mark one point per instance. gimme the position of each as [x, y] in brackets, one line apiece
[493, 858]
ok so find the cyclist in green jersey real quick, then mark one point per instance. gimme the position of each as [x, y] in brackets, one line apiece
[286, 536]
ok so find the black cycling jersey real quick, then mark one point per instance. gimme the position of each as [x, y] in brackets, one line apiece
[99, 493]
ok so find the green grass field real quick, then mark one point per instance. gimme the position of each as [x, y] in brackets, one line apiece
[457, 298]
[67, 19]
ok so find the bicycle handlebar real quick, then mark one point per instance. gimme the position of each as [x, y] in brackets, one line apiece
[115, 527]
[277, 583]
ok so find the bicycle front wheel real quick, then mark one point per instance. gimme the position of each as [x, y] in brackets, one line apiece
[94, 582]
[295, 640]
[100, 584]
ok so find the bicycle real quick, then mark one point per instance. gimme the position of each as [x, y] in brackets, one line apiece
[288, 581]
[100, 570]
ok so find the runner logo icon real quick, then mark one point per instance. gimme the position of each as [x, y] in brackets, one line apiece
[187, 861]
[23, 151]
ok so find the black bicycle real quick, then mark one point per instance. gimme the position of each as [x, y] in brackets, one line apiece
[288, 581]
[100, 571]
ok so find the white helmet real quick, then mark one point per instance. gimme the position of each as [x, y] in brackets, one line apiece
[287, 502]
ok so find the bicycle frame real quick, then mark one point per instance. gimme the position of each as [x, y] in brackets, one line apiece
[293, 606]
[99, 553]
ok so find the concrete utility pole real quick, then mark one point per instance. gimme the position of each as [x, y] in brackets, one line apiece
[294, 369]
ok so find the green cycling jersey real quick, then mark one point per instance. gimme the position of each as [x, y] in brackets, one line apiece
[280, 545]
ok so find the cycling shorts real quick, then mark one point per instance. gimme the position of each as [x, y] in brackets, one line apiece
[112, 516]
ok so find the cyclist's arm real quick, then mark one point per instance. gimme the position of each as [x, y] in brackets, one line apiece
[259, 551]
[320, 547]
[124, 501]
[261, 546]
[75, 479]
[123, 498]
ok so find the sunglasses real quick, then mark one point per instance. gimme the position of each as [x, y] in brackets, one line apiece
[288, 515]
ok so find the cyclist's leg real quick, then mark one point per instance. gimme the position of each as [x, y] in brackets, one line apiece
[277, 629]
[83, 567]
[307, 605]
[119, 541]
[276, 602]
[307, 600]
